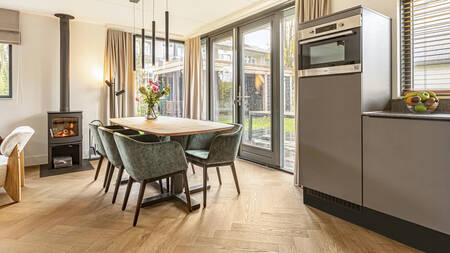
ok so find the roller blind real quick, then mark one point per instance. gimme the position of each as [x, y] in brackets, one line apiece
[425, 45]
[9, 27]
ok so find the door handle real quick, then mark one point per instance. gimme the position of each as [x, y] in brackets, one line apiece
[326, 37]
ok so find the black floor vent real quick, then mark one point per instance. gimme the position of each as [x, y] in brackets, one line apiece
[331, 199]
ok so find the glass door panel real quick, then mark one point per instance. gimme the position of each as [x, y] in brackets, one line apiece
[288, 90]
[222, 79]
[258, 99]
[257, 86]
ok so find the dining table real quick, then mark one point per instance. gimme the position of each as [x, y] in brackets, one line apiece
[164, 126]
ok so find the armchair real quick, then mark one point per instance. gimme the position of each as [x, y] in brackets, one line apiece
[214, 150]
[110, 147]
[146, 162]
[12, 161]
[98, 148]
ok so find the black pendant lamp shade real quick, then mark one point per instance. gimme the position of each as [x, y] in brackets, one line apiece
[153, 42]
[143, 37]
[167, 36]
[143, 45]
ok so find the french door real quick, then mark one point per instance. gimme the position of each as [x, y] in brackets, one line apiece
[258, 91]
[246, 87]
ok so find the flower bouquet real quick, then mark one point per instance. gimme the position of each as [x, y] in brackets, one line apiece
[150, 95]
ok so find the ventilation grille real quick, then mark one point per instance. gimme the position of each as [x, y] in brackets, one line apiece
[333, 200]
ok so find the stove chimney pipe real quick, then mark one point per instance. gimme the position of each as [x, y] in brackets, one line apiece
[64, 59]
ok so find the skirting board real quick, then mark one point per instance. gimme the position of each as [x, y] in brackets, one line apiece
[411, 234]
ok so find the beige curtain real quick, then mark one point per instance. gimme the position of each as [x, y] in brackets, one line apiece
[193, 92]
[305, 10]
[118, 68]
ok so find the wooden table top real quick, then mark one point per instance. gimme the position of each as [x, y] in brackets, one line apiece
[171, 126]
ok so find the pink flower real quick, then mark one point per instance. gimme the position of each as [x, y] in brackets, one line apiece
[155, 89]
[137, 99]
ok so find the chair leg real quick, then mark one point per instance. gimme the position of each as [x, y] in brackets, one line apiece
[110, 175]
[236, 182]
[139, 202]
[116, 189]
[100, 162]
[205, 182]
[108, 167]
[192, 166]
[186, 191]
[218, 175]
[127, 193]
[161, 188]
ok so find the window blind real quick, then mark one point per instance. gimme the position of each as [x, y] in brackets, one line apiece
[425, 45]
[9, 27]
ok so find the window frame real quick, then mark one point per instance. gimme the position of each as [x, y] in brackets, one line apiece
[149, 37]
[159, 39]
[10, 93]
[408, 64]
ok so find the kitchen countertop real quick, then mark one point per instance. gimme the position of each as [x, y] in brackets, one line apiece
[427, 116]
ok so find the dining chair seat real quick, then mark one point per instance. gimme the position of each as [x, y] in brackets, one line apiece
[198, 155]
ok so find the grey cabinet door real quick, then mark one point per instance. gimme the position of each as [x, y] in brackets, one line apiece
[330, 135]
[406, 170]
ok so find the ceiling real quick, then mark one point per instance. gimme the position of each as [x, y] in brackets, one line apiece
[186, 16]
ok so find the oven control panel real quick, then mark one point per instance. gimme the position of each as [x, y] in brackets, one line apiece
[332, 27]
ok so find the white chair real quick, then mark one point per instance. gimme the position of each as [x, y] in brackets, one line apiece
[12, 161]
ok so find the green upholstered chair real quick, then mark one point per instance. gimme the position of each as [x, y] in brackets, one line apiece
[146, 162]
[110, 147]
[215, 150]
[98, 148]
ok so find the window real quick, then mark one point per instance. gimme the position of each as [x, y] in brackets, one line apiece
[425, 27]
[169, 73]
[5, 71]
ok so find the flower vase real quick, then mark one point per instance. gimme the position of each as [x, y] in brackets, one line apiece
[151, 114]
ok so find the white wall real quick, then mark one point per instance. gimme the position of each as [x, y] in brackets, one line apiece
[36, 79]
[389, 8]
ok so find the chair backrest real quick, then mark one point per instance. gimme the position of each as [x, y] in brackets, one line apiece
[225, 145]
[19, 136]
[98, 142]
[200, 141]
[109, 144]
[146, 160]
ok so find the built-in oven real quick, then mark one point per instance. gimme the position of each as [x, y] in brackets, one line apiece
[331, 48]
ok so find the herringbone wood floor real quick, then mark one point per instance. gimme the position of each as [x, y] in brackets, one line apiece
[70, 213]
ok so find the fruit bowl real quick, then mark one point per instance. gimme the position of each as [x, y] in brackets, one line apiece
[421, 101]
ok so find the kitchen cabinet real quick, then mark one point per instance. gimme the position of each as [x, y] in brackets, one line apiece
[406, 169]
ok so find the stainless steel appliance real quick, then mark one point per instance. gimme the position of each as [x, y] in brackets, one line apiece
[345, 69]
[331, 48]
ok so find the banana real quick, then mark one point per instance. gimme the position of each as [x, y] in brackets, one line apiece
[411, 94]
[433, 94]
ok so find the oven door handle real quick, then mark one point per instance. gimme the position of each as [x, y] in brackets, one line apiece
[327, 37]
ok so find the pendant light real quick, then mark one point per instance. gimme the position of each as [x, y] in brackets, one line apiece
[167, 31]
[143, 37]
[134, 32]
[153, 35]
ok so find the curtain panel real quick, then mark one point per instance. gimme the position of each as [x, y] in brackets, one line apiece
[9, 26]
[118, 68]
[305, 10]
[193, 93]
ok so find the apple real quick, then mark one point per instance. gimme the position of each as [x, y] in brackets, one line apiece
[420, 108]
[424, 95]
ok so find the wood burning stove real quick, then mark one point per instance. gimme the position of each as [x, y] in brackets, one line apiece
[65, 137]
